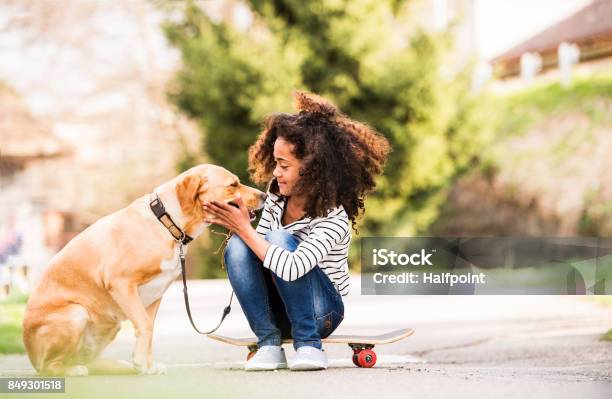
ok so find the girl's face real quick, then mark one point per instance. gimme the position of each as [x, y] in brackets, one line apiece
[287, 170]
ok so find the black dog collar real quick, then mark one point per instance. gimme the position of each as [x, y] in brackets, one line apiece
[160, 212]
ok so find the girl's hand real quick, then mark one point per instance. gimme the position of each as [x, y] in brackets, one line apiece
[237, 220]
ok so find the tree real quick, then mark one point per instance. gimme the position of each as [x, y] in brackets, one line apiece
[100, 87]
[354, 53]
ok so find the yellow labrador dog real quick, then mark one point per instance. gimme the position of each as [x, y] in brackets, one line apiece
[117, 269]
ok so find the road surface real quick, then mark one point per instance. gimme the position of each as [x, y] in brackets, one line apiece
[464, 347]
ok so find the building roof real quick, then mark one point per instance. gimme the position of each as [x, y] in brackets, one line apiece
[22, 136]
[591, 23]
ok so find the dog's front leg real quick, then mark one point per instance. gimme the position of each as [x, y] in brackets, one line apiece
[126, 295]
[156, 368]
[152, 310]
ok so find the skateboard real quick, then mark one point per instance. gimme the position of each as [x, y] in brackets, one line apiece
[362, 345]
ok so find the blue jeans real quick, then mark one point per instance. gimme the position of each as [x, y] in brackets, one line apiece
[306, 309]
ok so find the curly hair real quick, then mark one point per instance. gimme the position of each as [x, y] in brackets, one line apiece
[340, 157]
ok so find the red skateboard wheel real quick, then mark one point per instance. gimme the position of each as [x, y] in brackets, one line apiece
[366, 358]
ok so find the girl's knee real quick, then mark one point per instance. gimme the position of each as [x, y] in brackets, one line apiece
[282, 238]
[235, 249]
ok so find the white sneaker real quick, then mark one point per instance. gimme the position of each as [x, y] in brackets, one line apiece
[268, 357]
[309, 358]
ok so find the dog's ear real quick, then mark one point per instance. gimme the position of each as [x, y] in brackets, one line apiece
[187, 192]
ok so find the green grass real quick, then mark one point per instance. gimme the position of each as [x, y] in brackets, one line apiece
[604, 300]
[11, 316]
[519, 111]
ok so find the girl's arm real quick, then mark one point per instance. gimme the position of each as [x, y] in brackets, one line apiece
[325, 235]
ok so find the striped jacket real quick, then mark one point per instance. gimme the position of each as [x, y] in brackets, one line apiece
[324, 242]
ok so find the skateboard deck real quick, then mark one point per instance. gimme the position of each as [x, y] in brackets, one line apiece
[362, 345]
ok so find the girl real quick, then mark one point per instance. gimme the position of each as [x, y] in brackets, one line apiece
[291, 272]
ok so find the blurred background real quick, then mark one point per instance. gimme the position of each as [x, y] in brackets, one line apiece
[499, 113]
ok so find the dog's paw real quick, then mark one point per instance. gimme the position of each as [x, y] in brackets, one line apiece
[159, 368]
[155, 369]
[77, 371]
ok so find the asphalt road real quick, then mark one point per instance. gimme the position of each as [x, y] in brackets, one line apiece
[464, 347]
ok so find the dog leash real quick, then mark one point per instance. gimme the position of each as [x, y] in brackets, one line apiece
[158, 209]
[226, 310]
